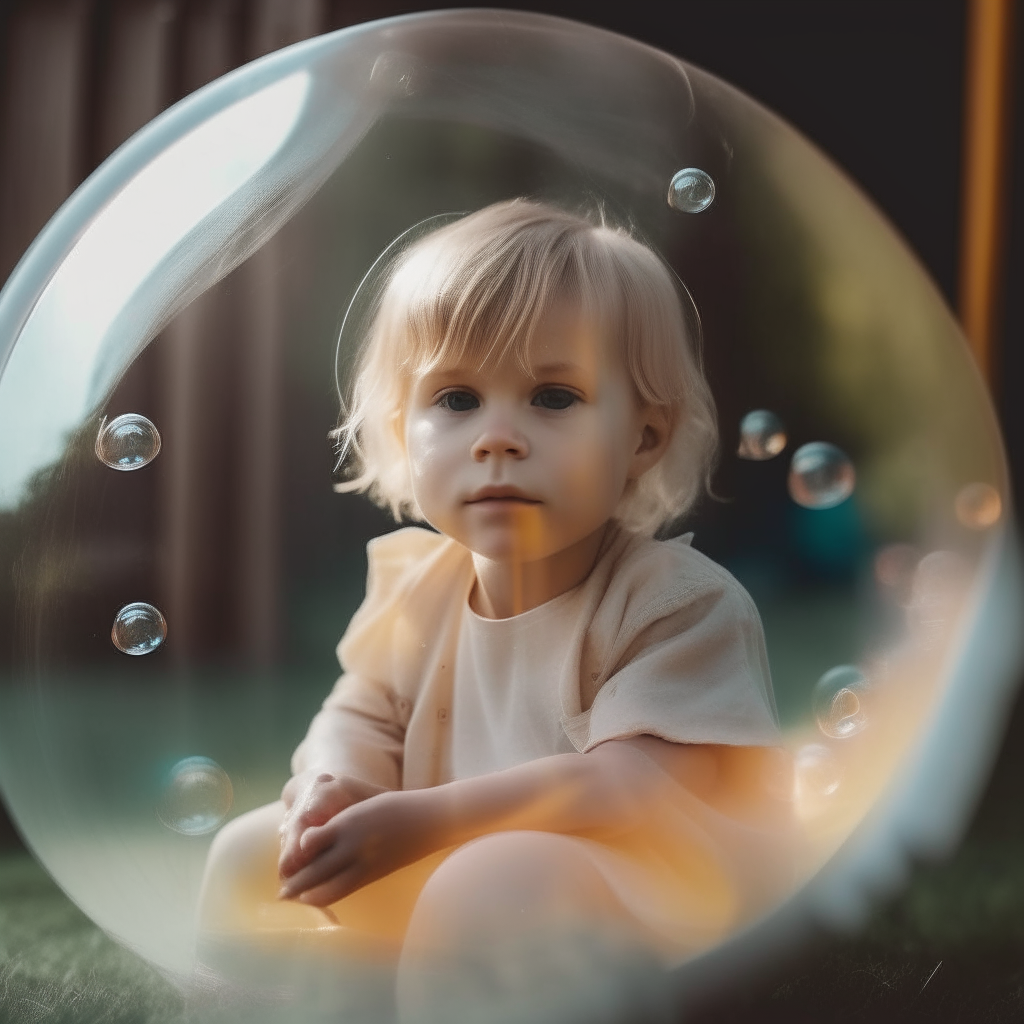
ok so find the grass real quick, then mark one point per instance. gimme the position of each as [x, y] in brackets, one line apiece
[57, 967]
[949, 948]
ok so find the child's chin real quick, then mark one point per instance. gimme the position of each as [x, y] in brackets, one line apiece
[507, 545]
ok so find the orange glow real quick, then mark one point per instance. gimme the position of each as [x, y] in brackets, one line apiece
[985, 111]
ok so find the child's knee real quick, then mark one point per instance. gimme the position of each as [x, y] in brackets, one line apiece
[538, 860]
[251, 837]
[519, 878]
[523, 924]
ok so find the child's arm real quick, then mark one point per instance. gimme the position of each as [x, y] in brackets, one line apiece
[356, 733]
[609, 790]
[352, 750]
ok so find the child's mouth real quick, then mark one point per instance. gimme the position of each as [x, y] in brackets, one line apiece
[501, 495]
[503, 501]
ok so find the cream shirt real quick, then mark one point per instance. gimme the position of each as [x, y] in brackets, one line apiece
[658, 640]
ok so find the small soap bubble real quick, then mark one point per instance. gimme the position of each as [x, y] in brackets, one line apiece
[138, 628]
[838, 702]
[691, 190]
[820, 475]
[127, 442]
[941, 582]
[978, 506]
[940, 573]
[762, 436]
[817, 777]
[197, 797]
[894, 567]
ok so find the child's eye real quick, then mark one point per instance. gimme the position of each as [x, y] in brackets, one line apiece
[458, 401]
[555, 398]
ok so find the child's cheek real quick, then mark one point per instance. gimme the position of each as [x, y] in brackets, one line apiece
[587, 482]
[591, 463]
[422, 452]
[422, 445]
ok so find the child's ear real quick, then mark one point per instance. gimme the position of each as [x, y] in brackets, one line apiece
[656, 422]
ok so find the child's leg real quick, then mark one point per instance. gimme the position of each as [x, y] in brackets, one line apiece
[261, 958]
[240, 883]
[524, 926]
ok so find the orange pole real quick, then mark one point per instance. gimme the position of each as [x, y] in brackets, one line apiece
[986, 103]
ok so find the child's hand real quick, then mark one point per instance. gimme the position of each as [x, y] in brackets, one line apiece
[361, 844]
[312, 798]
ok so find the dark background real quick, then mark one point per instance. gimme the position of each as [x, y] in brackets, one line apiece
[878, 85]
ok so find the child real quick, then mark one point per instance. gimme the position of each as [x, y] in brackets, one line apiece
[571, 707]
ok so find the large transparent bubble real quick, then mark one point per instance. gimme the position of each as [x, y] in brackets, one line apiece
[190, 295]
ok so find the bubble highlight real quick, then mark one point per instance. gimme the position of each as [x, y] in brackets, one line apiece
[691, 190]
[127, 442]
[139, 628]
[762, 436]
[821, 476]
[197, 798]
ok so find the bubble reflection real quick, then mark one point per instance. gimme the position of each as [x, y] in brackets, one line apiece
[762, 436]
[127, 442]
[197, 797]
[820, 476]
[817, 777]
[393, 74]
[138, 628]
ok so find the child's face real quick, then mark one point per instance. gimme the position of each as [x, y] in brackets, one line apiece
[519, 464]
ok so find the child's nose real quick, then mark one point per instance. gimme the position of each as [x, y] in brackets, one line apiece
[501, 438]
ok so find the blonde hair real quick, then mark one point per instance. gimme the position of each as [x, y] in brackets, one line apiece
[477, 289]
